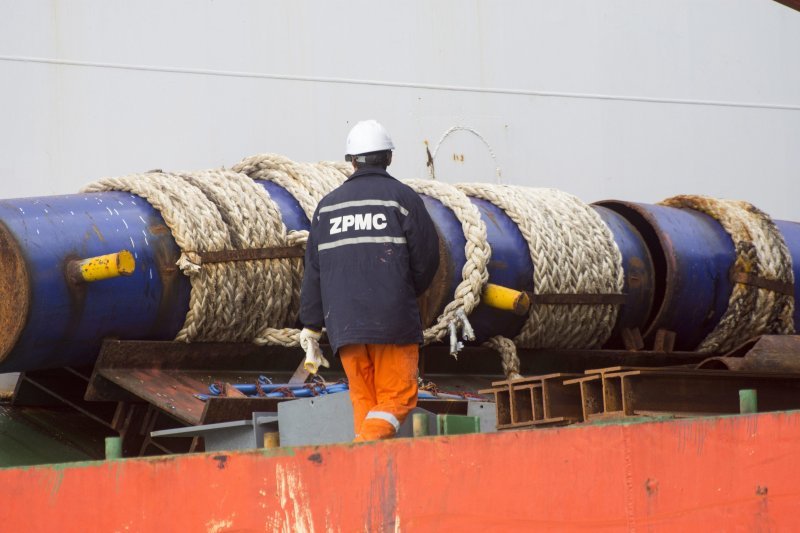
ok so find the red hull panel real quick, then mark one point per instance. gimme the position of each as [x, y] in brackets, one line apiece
[736, 473]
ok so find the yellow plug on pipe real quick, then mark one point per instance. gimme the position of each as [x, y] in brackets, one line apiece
[102, 267]
[505, 299]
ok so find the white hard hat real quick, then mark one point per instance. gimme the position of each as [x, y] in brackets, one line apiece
[368, 136]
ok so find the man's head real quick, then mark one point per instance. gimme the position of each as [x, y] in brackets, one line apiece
[369, 144]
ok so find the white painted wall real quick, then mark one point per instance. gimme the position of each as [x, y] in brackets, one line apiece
[628, 99]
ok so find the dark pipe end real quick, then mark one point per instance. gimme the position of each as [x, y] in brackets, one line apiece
[15, 292]
[657, 244]
[438, 295]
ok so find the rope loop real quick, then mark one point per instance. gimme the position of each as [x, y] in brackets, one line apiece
[474, 274]
[308, 183]
[508, 353]
[573, 252]
[216, 211]
[761, 251]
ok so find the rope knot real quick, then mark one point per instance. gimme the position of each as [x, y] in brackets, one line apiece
[190, 263]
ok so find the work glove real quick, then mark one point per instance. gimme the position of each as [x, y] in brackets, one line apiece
[309, 341]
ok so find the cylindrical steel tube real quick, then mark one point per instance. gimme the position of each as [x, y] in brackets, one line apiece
[791, 234]
[506, 299]
[676, 264]
[692, 256]
[637, 266]
[510, 267]
[102, 267]
[46, 321]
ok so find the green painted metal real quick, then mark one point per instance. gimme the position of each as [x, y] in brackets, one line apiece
[748, 401]
[28, 437]
[113, 448]
[457, 424]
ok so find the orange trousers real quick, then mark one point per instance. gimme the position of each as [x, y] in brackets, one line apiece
[383, 386]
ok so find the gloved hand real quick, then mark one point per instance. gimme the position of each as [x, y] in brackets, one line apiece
[309, 341]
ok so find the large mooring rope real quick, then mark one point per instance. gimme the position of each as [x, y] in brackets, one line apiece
[572, 249]
[573, 252]
[755, 307]
[224, 211]
[308, 183]
[507, 350]
[474, 274]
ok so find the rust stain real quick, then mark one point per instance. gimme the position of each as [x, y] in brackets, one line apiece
[158, 229]
[491, 216]
[15, 288]
[382, 508]
[97, 232]
[315, 458]
[221, 461]
[458, 158]
[429, 162]
[77, 298]
[498, 265]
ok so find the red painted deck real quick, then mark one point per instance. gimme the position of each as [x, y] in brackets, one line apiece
[731, 473]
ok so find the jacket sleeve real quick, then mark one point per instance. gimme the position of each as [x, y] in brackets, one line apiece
[423, 244]
[311, 314]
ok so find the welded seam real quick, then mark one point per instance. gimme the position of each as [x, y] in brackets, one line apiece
[402, 85]
[630, 511]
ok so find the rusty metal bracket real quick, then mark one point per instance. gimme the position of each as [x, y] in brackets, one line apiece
[539, 401]
[576, 299]
[167, 375]
[774, 285]
[664, 341]
[252, 254]
[768, 353]
[632, 339]
[620, 392]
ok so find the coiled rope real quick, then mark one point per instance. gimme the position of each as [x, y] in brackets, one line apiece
[474, 274]
[257, 300]
[754, 307]
[215, 211]
[252, 300]
[308, 183]
[573, 252]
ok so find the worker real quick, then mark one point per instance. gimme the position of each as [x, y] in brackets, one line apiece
[372, 250]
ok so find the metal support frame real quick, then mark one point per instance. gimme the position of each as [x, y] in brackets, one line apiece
[620, 392]
[535, 401]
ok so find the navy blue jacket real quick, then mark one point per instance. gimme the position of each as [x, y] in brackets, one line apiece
[371, 251]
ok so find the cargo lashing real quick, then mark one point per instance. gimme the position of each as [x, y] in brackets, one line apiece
[155, 297]
[468, 334]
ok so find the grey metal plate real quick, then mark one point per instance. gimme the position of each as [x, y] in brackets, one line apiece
[487, 414]
[320, 420]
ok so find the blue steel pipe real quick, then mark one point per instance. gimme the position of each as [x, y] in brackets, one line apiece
[638, 269]
[511, 266]
[675, 263]
[48, 322]
[791, 234]
[693, 256]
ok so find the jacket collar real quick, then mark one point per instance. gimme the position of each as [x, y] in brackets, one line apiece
[370, 171]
